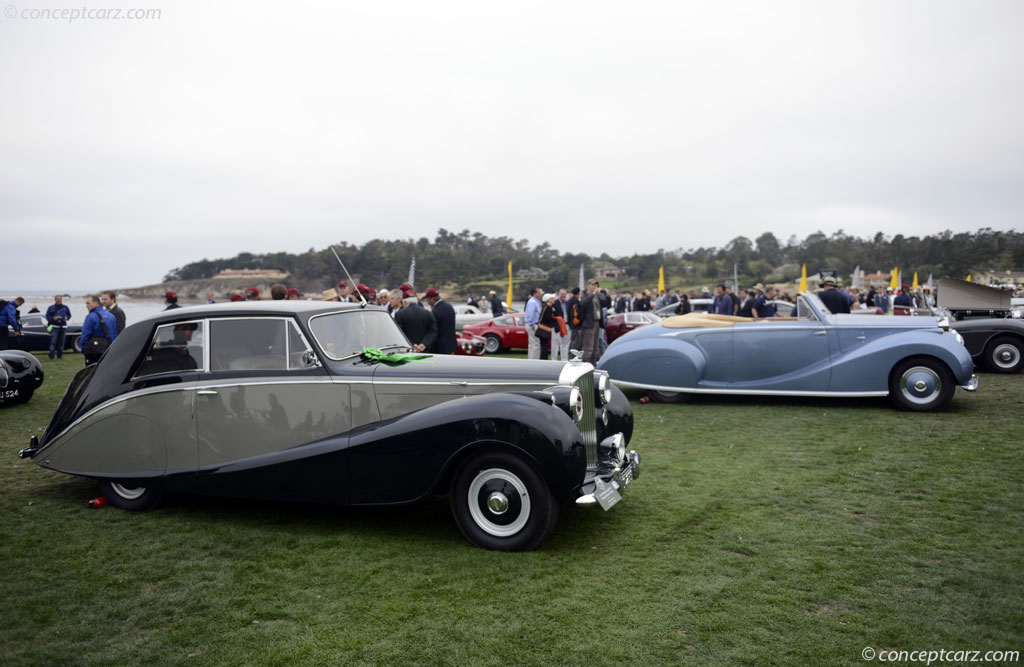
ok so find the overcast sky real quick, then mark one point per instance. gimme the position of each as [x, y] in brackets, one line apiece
[130, 147]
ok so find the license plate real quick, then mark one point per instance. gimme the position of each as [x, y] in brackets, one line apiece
[606, 494]
[9, 393]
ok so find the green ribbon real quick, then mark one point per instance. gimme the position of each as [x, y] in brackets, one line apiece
[394, 358]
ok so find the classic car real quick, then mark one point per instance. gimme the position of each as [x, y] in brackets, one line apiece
[35, 338]
[502, 333]
[622, 323]
[20, 375]
[915, 361]
[466, 314]
[993, 332]
[322, 402]
[470, 345]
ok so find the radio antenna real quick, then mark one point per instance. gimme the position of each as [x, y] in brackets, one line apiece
[351, 282]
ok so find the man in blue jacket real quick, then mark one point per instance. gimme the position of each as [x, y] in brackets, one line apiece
[722, 303]
[8, 316]
[98, 324]
[57, 317]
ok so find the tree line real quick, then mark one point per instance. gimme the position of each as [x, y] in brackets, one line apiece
[466, 258]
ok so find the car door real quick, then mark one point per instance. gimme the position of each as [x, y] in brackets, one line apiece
[34, 336]
[782, 355]
[258, 399]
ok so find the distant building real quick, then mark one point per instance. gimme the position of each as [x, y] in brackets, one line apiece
[1006, 277]
[532, 273]
[609, 271]
[876, 280]
[266, 274]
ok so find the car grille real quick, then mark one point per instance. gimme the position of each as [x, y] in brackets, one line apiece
[588, 424]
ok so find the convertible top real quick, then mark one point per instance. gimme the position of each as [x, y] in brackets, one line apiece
[698, 320]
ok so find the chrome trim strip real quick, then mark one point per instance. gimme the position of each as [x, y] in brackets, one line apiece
[752, 392]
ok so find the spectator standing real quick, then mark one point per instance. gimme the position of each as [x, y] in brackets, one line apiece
[761, 306]
[98, 330]
[533, 308]
[252, 294]
[660, 301]
[722, 303]
[108, 300]
[57, 317]
[496, 310]
[884, 301]
[904, 299]
[293, 294]
[278, 292]
[546, 325]
[209, 296]
[746, 308]
[444, 316]
[560, 342]
[832, 298]
[590, 323]
[383, 297]
[8, 317]
[416, 322]
[620, 303]
[171, 299]
[575, 321]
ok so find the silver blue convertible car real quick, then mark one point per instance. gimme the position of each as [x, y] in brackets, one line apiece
[916, 361]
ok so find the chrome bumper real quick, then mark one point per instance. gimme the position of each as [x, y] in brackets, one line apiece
[971, 385]
[605, 488]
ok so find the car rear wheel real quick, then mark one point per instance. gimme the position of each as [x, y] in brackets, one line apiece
[128, 497]
[921, 385]
[500, 502]
[493, 344]
[76, 344]
[1004, 354]
[668, 396]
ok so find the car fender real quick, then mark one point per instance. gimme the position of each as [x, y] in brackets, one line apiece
[654, 360]
[867, 368]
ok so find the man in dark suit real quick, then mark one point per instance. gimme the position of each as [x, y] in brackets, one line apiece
[108, 300]
[416, 323]
[833, 298]
[444, 316]
[496, 309]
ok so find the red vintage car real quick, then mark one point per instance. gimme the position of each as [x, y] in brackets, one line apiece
[469, 345]
[502, 333]
[625, 322]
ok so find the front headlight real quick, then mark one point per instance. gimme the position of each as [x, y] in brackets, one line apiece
[604, 388]
[959, 338]
[576, 403]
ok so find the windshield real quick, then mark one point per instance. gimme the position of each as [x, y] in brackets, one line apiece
[803, 306]
[344, 334]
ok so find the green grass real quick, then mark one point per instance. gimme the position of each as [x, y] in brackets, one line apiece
[762, 531]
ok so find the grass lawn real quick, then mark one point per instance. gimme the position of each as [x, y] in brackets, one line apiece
[762, 531]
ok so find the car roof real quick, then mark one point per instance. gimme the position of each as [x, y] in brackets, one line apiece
[255, 309]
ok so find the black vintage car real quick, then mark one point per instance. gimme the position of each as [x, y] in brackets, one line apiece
[320, 402]
[992, 331]
[36, 338]
[20, 375]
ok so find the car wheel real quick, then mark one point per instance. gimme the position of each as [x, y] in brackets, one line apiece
[128, 497]
[493, 344]
[500, 502]
[668, 396]
[1004, 355]
[921, 385]
[76, 344]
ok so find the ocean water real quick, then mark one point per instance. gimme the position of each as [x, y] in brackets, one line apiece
[134, 309]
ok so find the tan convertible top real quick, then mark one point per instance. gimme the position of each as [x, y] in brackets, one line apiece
[698, 320]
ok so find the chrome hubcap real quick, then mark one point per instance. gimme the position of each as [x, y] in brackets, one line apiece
[1006, 355]
[920, 385]
[128, 492]
[498, 502]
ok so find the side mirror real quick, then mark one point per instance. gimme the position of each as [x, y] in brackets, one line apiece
[309, 359]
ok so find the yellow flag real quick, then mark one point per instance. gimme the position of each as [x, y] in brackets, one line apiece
[661, 279]
[914, 286]
[894, 282]
[509, 286]
[968, 277]
[803, 280]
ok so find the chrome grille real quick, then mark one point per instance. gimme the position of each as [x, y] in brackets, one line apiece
[588, 425]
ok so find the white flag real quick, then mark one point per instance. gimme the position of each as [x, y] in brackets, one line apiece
[412, 273]
[581, 277]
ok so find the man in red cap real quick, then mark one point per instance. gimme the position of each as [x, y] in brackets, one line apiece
[904, 298]
[237, 297]
[252, 294]
[365, 292]
[416, 322]
[171, 299]
[293, 294]
[444, 316]
[344, 291]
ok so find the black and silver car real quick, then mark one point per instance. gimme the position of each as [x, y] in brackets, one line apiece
[322, 402]
[20, 375]
[992, 330]
[35, 336]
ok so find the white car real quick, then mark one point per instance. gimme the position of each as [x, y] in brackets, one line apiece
[466, 314]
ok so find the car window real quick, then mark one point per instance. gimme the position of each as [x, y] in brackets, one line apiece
[520, 321]
[635, 318]
[33, 321]
[175, 348]
[344, 334]
[803, 311]
[248, 344]
[503, 322]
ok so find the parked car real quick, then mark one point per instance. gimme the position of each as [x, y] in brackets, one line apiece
[992, 330]
[469, 345]
[35, 338]
[622, 323]
[285, 401]
[915, 361]
[466, 314]
[20, 375]
[502, 333]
